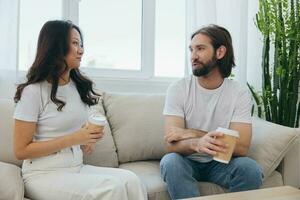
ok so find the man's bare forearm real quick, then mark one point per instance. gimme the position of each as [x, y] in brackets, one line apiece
[184, 147]
[192, 133]
[244, 141]
[240, 150]
[187, 143]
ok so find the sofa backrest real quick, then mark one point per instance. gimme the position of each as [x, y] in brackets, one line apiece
[6, 132]
[135, 132]
[136, 122]
[105, 153]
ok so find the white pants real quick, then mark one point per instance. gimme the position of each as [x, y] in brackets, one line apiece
[62, 176]
[84, 183]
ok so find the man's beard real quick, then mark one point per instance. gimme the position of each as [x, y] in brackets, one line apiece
[206, 67]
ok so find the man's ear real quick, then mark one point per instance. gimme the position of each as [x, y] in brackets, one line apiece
[221, 51]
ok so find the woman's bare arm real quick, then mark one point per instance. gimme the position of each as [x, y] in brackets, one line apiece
[26, 148]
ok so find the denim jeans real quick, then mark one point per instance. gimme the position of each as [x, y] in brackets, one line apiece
[182, 174]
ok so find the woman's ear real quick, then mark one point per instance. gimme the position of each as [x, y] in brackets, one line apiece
[221, 51]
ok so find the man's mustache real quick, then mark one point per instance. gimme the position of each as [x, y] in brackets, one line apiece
[197, 62]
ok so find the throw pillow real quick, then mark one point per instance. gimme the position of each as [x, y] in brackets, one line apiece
[137, 125]
[270, 143]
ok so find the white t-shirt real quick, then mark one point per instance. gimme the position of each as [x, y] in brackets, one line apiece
[206, 110]
[35, 106]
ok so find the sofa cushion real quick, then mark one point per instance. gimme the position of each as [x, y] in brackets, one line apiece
[6, 132]
[270, 143]
[137, 125]
[149, 173]
[105, 154]
[11, 184]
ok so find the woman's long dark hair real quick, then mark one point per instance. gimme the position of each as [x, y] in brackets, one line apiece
[50, 64]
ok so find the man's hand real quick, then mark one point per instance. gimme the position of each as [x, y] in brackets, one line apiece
[175, 134]
[88, 149]
[210, 144]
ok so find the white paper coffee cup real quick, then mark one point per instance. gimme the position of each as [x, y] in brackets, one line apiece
[97, 120]
[229, 137]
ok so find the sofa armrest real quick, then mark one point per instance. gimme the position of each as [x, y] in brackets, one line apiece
[290, 165]
[270, 144]
[11, 184]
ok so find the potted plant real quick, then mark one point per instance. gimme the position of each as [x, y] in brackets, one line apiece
[279, 23]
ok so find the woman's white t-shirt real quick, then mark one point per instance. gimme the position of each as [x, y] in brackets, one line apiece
[35, 106]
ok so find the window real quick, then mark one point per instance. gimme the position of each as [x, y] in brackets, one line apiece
[33, 14]
[112, 33]
[170, 38]
[128, 38]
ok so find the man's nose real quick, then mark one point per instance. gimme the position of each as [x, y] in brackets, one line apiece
[194, 56]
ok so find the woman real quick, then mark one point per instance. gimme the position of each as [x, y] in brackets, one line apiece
[50, 112]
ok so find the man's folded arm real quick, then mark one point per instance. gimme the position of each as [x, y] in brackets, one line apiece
[179, 139]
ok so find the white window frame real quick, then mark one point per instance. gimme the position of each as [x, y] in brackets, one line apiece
[71, 12]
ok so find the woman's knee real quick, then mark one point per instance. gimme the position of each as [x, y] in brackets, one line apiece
[130, 177]
[111, 187]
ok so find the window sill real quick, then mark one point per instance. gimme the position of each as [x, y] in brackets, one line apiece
[124, 85]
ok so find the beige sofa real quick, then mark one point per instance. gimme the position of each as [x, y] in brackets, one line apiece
[134, 141]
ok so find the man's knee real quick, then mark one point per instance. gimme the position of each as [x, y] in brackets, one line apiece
[171, 162]
[249, 171]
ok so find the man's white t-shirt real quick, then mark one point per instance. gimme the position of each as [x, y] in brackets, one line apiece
[206, 110]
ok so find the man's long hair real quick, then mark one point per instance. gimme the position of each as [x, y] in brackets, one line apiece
[49, 63]
[220, 36]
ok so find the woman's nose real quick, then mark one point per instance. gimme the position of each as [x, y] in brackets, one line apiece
[80, 50]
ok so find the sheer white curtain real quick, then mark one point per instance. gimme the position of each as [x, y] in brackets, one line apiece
[8, 46]
[254, 58]
[8, 33]
[231, 14]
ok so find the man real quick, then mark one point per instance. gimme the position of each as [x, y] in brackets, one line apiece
[195, 107]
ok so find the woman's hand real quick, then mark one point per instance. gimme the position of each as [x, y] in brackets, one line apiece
[87, 135]
[88, 149]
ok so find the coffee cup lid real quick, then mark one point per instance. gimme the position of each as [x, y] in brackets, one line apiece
[98, 119]
[228, 131]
